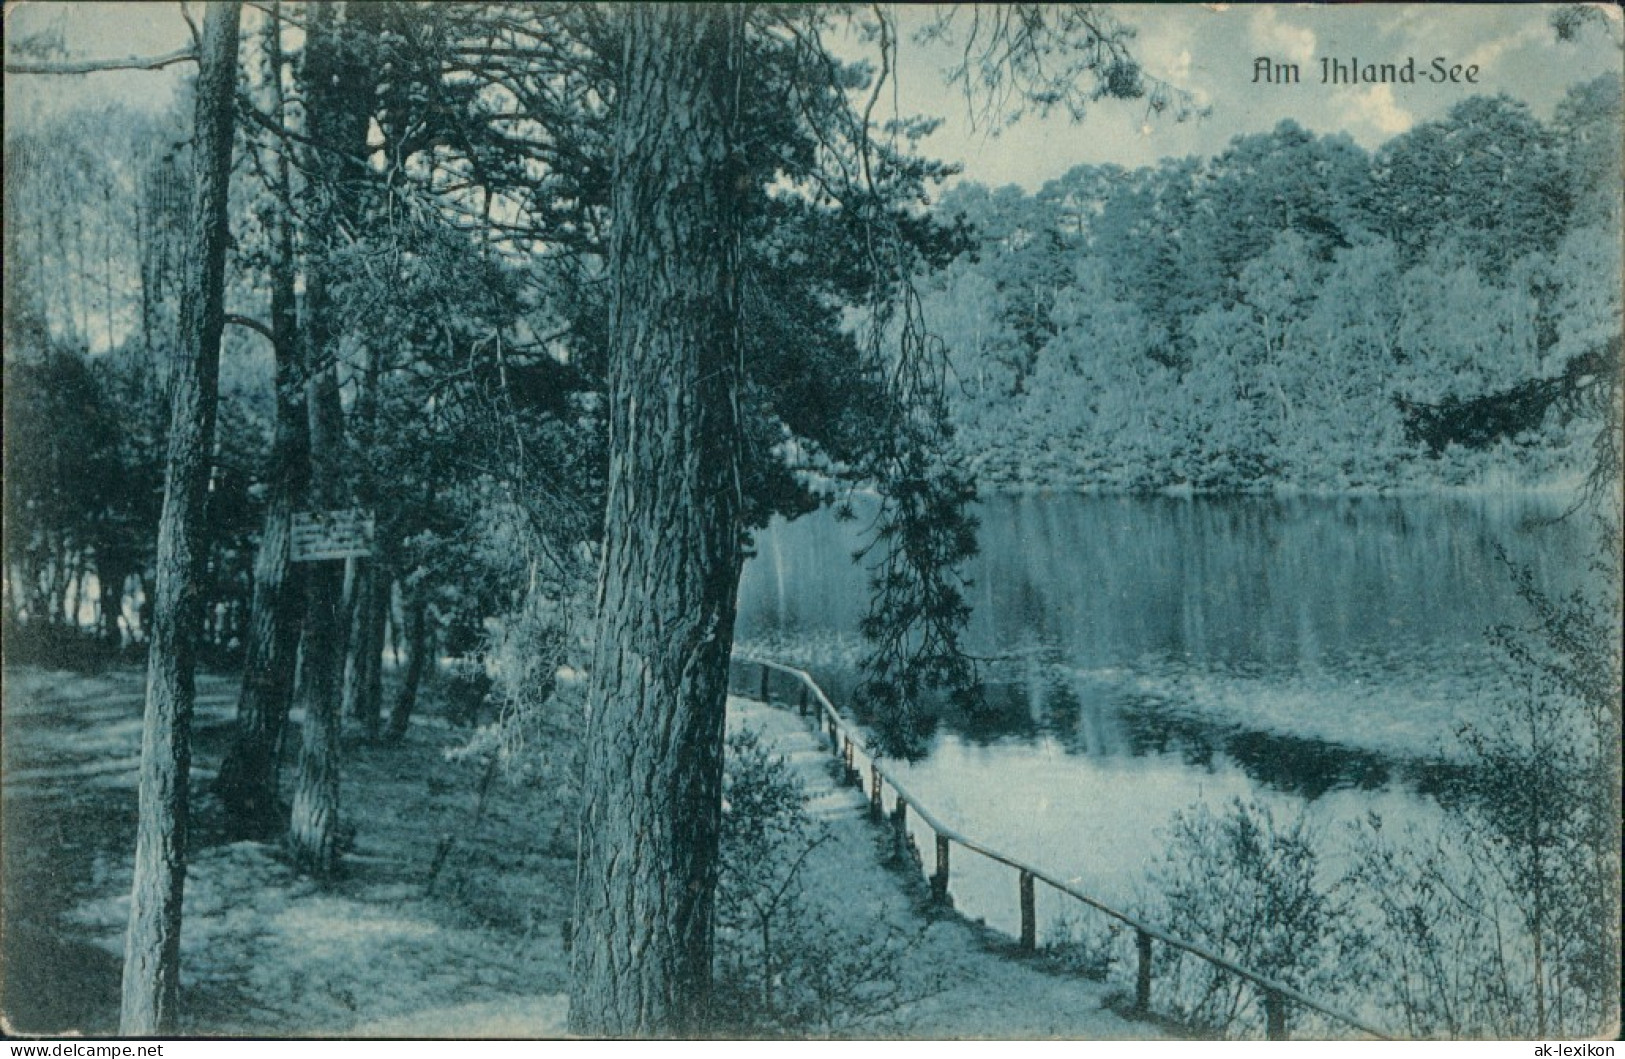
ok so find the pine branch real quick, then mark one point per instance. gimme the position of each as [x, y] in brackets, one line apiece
[91, 66]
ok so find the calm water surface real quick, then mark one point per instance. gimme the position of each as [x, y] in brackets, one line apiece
[1147, 654]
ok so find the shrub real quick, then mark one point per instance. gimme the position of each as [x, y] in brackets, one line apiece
[786, 965]
[1505, 923]
[1249, 890]
[1440, 932]
[537, 686]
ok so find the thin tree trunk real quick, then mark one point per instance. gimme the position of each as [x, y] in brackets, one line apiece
[362, 665]
[372, 690]
[73, 596]
[400, 714]
[38, 595]
[144, 609]
[392, 625]
[58, 580]
[365, 618]
[110, 576]
[313, 827]
[247, 782]
[107, 267]
[152, 945]
[642, 949]
[8, 587]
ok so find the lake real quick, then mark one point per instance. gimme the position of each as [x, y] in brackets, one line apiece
[1145, 654]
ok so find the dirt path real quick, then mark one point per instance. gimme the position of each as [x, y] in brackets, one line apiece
[967, 987]
[444, 922]
[448, 921]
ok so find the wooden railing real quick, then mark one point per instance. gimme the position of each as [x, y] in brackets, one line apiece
[850, 748]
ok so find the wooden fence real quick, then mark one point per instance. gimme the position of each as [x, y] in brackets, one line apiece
[850, 749]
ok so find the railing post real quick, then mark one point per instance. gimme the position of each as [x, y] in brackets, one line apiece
[834, 736]
[876, 810]
[765, 672]
[849, 763]
[1274, 1015]
[1029, 914]
[899, 823]
[1142, 978]
[939, 880]
[801, 705]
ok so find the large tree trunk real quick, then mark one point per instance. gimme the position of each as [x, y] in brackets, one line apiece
[247, 782]
[152, 945]
[641, 958]
[338, 101]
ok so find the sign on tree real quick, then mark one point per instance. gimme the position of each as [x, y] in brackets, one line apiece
[323, 535]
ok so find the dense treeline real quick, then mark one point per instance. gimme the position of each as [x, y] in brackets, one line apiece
[96, 211]
[1298, 312]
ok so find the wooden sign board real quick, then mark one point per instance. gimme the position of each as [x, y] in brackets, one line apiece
[322, 535]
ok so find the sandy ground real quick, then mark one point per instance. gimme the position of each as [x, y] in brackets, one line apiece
[448, 920]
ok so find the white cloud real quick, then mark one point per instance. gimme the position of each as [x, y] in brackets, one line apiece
[1164, 48]
[1376, 109]
[1278, 39]
[1485, 55]
[1178, 67]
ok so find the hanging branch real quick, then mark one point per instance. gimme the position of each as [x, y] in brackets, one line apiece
[1015, 56]
[924, 531]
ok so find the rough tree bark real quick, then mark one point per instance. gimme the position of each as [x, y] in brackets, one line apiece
[247, 782]
[642, 945]
[337, 105]
[152, 945]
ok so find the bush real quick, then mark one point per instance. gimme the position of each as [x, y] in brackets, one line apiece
[536, 686]
[786, 966]
[1441, 935]
[1249, 890]
[1506, 923]
[64, 647]
[465, 684]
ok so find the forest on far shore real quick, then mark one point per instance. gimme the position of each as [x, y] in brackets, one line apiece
[1297, 311]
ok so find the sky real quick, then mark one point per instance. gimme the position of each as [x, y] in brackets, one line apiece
[1208, 50]
[96, 30]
